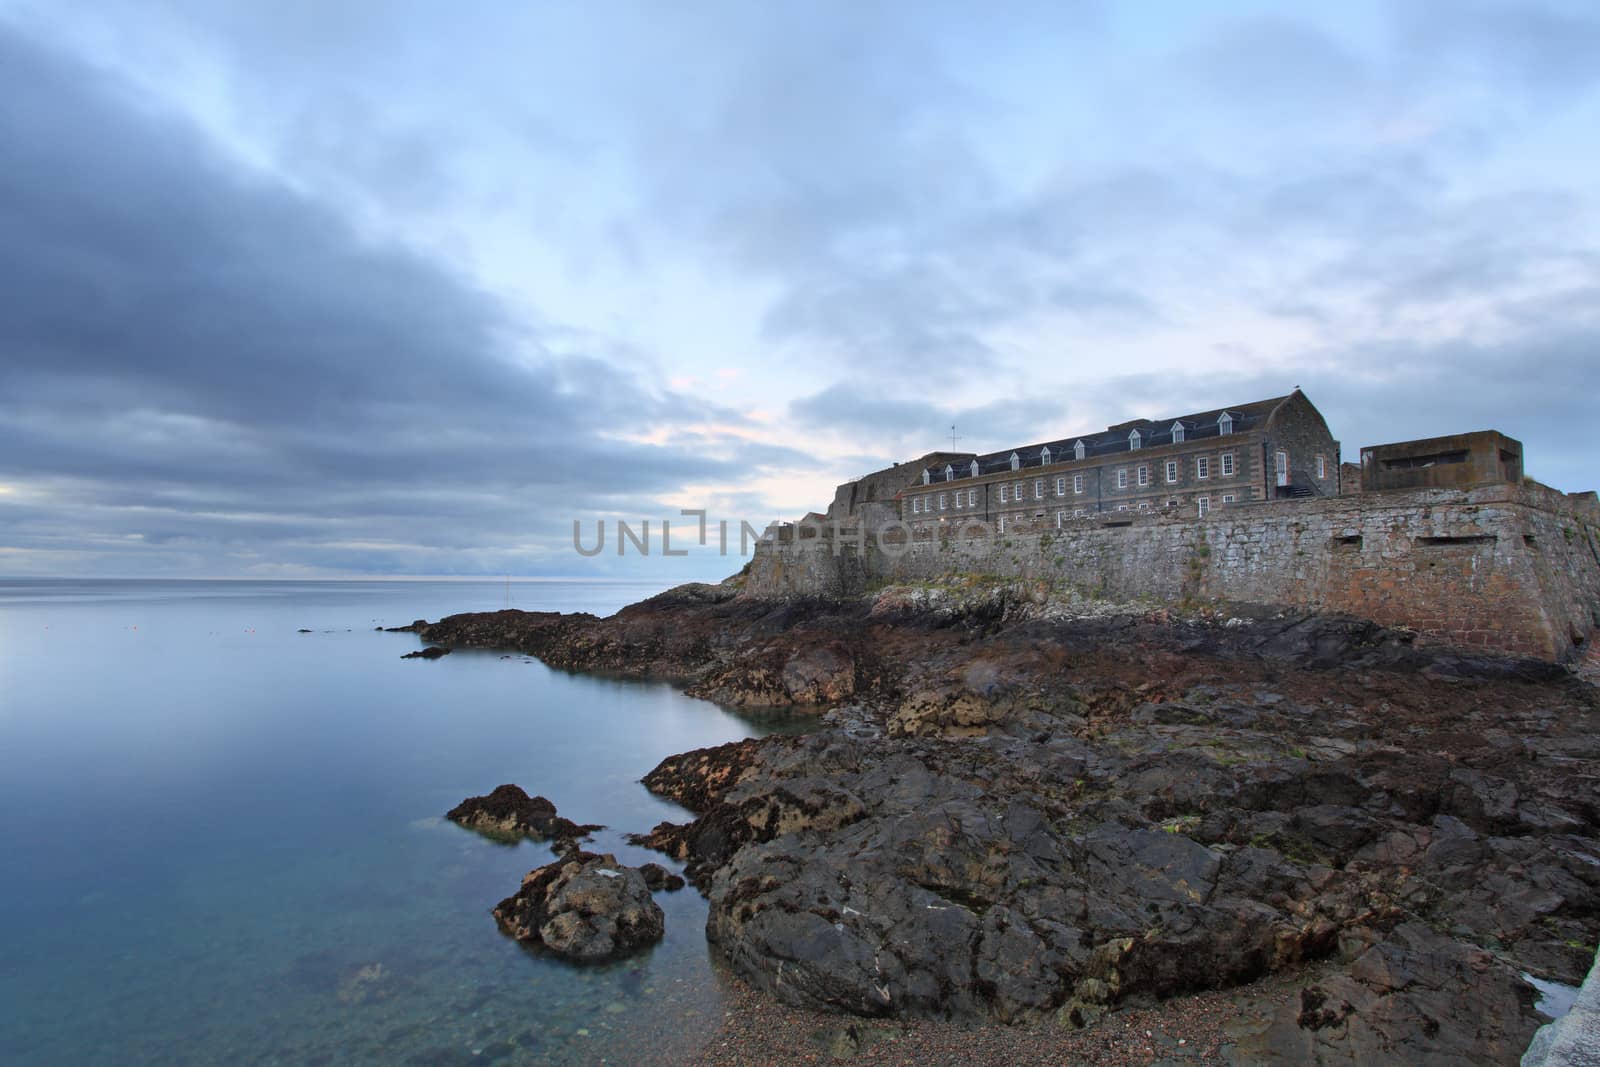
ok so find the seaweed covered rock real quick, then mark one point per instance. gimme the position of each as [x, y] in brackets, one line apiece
[583, 907]
[508, 814]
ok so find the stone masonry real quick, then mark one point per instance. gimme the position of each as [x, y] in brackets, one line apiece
[1507, 567]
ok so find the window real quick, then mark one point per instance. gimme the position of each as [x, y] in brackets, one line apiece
[1077, 483]
[1172, 501]
[1122, 478]
[1224, 423]
[1005, 493]
[949, 472]
[1204, 504]
[1019, 492]
[1044, 455]
[1038, 489]
[1227, 464]
[1061, 517]
[1016, 461]
[927, 476]
[1077, 513]
[1322, 467]
[1077, 450]
[942, 501]
[1227, 498]
[1281, 466]
[1133, 441]
[1144, 475]
[1177, 433]
[1144, 505]
[916, 505]
[972, 498]
[1202, 467]
[974, 468]
[1061, 487]
[1001, 524]
[1172, 471]
[1122, 507]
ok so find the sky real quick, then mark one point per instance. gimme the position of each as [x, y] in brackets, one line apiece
[297, 288]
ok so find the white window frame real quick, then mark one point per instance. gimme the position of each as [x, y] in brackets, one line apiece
[1005, 492]
[1061, 518]
[1144, 505]
[1228, 498]
[1227, 465]
[1144, 475]
[1122, 507]
[972, 498]
[1224, 424]
[1202, 467]
[943, 506]
[1077, 483]
[1078, 450]
[1322, 466]
[1134, 440]
[1000, 524]
[1203, 505]
[1016, 461]
[1044, 456]
[1122, 478]
[1177, 433]
[1172, 472]
[1061, 486]
[1038, 489]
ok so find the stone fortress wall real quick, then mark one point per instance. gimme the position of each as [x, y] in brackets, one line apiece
[1512, 567]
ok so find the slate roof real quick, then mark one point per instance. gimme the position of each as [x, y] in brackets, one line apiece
[1113, 439]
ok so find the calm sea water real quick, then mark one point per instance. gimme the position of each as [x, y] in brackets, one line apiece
[222, 842]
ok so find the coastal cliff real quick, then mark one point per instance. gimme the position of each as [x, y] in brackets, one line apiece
[1023, 804]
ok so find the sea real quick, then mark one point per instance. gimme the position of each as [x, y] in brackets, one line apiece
[221, 838]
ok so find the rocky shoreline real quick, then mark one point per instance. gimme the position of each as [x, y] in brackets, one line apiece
[1024, 807]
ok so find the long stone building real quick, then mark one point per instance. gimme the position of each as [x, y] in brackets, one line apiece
[1193, 465]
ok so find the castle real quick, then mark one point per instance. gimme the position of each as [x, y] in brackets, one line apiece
[1248, 504]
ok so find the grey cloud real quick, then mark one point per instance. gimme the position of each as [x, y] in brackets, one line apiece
[196, 356]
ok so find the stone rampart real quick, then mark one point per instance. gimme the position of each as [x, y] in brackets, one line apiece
[1514, 568]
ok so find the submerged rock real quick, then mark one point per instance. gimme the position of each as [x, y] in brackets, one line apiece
[509, 813]
[431, 652]
[658, 878]
[583, 907]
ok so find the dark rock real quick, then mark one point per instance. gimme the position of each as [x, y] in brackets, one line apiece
[583, 907]
[302, 631]
[431, 652]
[508, 813]
[658, 878]
[1022, 815]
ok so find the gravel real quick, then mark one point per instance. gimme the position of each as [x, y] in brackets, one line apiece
[1196, 1029]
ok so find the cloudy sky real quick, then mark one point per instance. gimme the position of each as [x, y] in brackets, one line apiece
[301, 287]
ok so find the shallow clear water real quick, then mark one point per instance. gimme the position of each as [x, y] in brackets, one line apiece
[222, 842]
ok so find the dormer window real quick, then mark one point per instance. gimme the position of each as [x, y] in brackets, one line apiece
[1016, 461]
[1078, 450]
[1044, 455]
[1224, 423]
[1133, 441]
[974, 468]
[949, 472]
[1177, 433]
[927, 477]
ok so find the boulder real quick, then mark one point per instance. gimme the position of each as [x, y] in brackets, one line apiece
[508, 813]
[583, 907]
